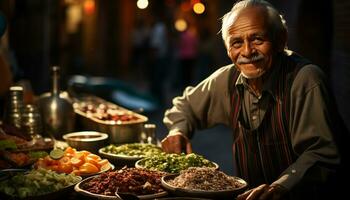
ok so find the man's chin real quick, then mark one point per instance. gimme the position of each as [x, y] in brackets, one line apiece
[253, 75]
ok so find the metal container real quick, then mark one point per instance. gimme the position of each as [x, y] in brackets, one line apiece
[14, 107]
[31, 121]
[118, 132]
[86, 140]
[58, 116]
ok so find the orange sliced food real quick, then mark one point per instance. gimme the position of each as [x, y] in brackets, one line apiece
[76, 172]
[79, 155]
[49, 161]
[76, 162]
[92, 161]
[106, 167]
[88, 168]
[85, 153]
[65, 168]
[64, 160]
[70, 150]
[103, 162]
[94, 156]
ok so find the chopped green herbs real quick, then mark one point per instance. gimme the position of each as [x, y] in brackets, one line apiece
[174, 163]
[133, 149]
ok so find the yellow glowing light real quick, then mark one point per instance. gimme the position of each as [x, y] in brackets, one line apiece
[180, 25]
[142, 4]
[198, 8]
[89, 6]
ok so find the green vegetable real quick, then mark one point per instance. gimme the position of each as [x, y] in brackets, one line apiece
[37, 154]
[36, 182]
[7, 144]
[56, 154]
[133, 149]
[174, 163]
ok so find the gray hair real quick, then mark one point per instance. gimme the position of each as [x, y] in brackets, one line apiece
[277, 23]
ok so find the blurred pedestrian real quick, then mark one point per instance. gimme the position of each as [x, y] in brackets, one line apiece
[158, 57]
[187, 52]
[206, 57]
[140, 47]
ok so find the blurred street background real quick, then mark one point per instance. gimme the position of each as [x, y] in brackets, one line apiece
[142, 53]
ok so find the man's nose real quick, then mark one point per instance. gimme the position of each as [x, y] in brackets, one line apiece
[247, 50]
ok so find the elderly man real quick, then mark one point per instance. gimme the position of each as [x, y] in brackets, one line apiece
[275, 101]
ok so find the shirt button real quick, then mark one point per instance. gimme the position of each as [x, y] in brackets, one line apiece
[254, 117]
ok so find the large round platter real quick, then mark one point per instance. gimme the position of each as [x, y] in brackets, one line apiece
[85, 175]
[78, 188]
[222, 194]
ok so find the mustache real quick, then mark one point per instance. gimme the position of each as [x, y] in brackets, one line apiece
[253, 58]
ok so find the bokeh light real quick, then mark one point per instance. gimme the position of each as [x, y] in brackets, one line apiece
[198, 8]
[142, 4]
[180, 25]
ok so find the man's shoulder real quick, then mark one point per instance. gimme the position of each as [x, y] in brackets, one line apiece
[306, 74]
[224, 71]
[220, 78]
[304, 68]
[308, 77]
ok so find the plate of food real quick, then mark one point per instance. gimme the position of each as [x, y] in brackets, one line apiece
[18, 150]
[36, 184]
[174, 163]
[128, 154]
[82, 163]
[143, 183]
[204, 182]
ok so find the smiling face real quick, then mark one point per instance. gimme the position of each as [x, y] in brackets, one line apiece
[249, 44]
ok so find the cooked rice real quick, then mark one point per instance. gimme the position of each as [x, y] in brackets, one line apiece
[205, 178]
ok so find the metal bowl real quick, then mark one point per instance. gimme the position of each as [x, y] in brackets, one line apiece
[221, 194]
[86, 140]
[79, 188]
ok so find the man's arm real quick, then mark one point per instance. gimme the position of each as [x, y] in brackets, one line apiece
[311, 131]
[199, 107]
[202, 106]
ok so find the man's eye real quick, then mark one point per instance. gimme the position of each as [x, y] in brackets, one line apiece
[236, 44]
[258, 41]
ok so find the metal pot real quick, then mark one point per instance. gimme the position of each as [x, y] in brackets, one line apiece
[118, 132]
